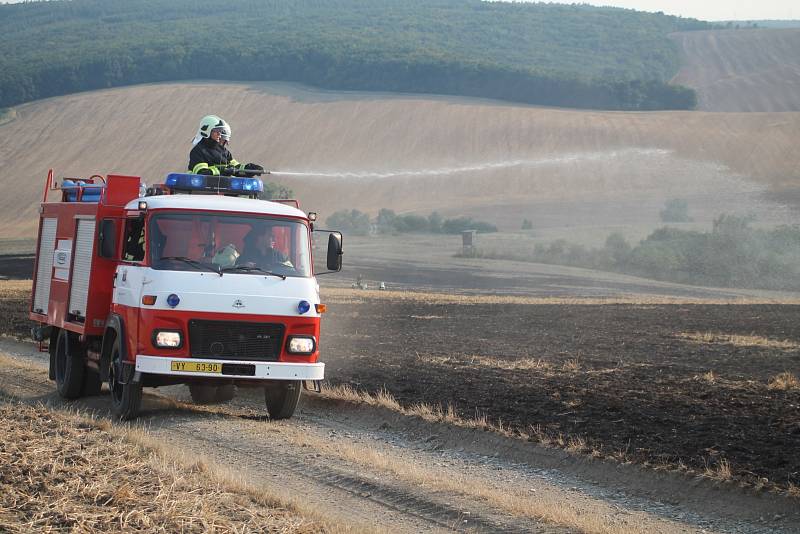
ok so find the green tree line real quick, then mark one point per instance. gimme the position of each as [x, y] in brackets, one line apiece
[387, 221]
[732, 254]
[561, 55]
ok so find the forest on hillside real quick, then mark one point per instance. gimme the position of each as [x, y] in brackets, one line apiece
[549, 54]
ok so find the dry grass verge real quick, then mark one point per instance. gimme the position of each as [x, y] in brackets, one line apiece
[784, 382]
[720, 471]
[16, 289]
[338, 295]
[448, 415]
[15, 298]
[739, 340]
[487, 361]
[61, 471]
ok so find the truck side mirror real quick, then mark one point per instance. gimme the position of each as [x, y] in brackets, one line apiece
[108, 239]
[335, 251]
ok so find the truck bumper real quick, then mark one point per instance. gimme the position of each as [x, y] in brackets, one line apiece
[162, 365]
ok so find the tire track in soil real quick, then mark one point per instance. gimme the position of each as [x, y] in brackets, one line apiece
[355, 496]
[427, 508]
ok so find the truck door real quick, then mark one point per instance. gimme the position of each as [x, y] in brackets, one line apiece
[128, 281]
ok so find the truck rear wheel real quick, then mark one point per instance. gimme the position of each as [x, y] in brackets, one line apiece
[281, 398]
[69, 365]
[203, 394]
[126, 399]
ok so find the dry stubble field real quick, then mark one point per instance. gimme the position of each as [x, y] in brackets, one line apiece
[138, 488]
[709, 389]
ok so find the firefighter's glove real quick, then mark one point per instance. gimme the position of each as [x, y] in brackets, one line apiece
[205, 171]
[228, 171]
[250, 169]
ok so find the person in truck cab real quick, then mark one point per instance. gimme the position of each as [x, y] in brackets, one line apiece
[260, 250]
[210, 154]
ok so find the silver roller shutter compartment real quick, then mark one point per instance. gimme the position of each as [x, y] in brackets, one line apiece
[44, 272]
[81, 267]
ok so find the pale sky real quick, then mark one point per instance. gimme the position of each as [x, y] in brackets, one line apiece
[699, 9]
[712, 9]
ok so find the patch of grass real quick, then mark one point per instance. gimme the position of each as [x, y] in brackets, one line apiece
[739, 340]
[65, 472]
[709, 377]
[15, 298]
[784, 381]
[15, 289]
[576, 445]
[486, 361]
[721, 471]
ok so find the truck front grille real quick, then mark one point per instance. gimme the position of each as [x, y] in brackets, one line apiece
[232, 340]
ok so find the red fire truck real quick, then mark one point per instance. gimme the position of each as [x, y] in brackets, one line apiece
[196, 281]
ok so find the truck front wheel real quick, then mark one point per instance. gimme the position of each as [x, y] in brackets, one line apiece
[126, 399]
[281, 398]
[69, 365]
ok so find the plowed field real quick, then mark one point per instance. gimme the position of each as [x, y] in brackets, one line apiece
[681, 386]
[742, 70]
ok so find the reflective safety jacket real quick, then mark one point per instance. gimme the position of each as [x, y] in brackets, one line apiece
[208, 154]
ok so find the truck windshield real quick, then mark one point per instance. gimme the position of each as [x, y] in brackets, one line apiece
[252, 245]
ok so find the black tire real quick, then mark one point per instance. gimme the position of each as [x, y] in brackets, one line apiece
[69, 365]
[91, 383]
[281, 398]
[126, 399]
[203, 394]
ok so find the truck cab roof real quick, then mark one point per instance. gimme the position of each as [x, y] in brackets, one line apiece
[216, 203]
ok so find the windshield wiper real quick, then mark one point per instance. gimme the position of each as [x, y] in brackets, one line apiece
[252, 269]
[193, 263]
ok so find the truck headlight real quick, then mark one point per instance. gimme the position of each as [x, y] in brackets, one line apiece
[167, 339]
[301, 345]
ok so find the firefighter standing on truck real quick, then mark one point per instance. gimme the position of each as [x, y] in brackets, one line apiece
[210, 155]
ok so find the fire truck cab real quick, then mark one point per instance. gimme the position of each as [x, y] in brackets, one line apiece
[195, 282]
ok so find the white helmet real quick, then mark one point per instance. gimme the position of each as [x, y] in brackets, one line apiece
[212, 122]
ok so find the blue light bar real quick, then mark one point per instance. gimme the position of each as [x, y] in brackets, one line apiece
[203, 182]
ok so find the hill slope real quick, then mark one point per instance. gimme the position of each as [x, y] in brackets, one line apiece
[368, 151]
[576, 56]
[742, 70]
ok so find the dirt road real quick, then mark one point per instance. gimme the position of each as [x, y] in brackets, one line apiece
[379, 470]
